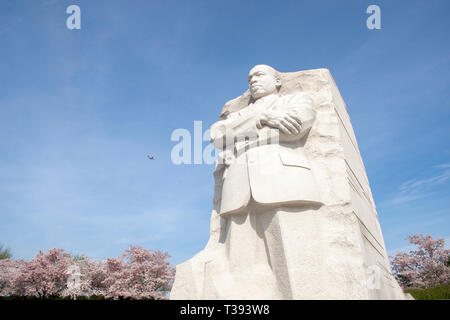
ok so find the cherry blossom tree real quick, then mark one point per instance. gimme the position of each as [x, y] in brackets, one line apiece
[86, 278]
[137, 274]
[9, 269]
[425, 267]
[43, 276]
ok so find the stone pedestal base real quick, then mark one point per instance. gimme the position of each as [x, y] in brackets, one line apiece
[285, 253]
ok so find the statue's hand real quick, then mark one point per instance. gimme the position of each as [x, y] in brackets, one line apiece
[288, 122]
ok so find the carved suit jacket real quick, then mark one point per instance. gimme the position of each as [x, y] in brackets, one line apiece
[262, 162]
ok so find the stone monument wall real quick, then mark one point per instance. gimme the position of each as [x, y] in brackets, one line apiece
[336, 251]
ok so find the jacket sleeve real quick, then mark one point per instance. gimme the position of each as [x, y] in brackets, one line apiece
[237, 126]
[303, 106]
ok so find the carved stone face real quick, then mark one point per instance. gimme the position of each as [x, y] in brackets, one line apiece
[262, 81]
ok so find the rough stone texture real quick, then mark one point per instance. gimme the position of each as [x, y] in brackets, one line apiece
[331, 251]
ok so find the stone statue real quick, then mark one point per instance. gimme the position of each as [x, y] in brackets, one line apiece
[293, 214]
[289, 119]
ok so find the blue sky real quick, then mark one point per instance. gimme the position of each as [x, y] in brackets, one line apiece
[81, 109]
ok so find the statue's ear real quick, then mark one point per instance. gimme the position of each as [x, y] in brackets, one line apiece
[278, 82]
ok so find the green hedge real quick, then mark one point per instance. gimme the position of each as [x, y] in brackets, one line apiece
[435, 293]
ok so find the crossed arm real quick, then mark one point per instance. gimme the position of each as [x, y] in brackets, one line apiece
[291, 120]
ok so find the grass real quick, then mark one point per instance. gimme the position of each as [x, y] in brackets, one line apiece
[435, 293]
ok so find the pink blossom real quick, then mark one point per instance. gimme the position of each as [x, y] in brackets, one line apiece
[427, 266]
[137, 274]
[43, 276]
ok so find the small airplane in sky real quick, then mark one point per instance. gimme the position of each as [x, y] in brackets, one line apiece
[151, 158]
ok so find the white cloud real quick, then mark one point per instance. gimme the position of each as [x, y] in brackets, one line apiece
[420, 188]
[445, 165]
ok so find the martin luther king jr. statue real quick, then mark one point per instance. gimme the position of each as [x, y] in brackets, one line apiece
[293, 214]
[263, 148]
